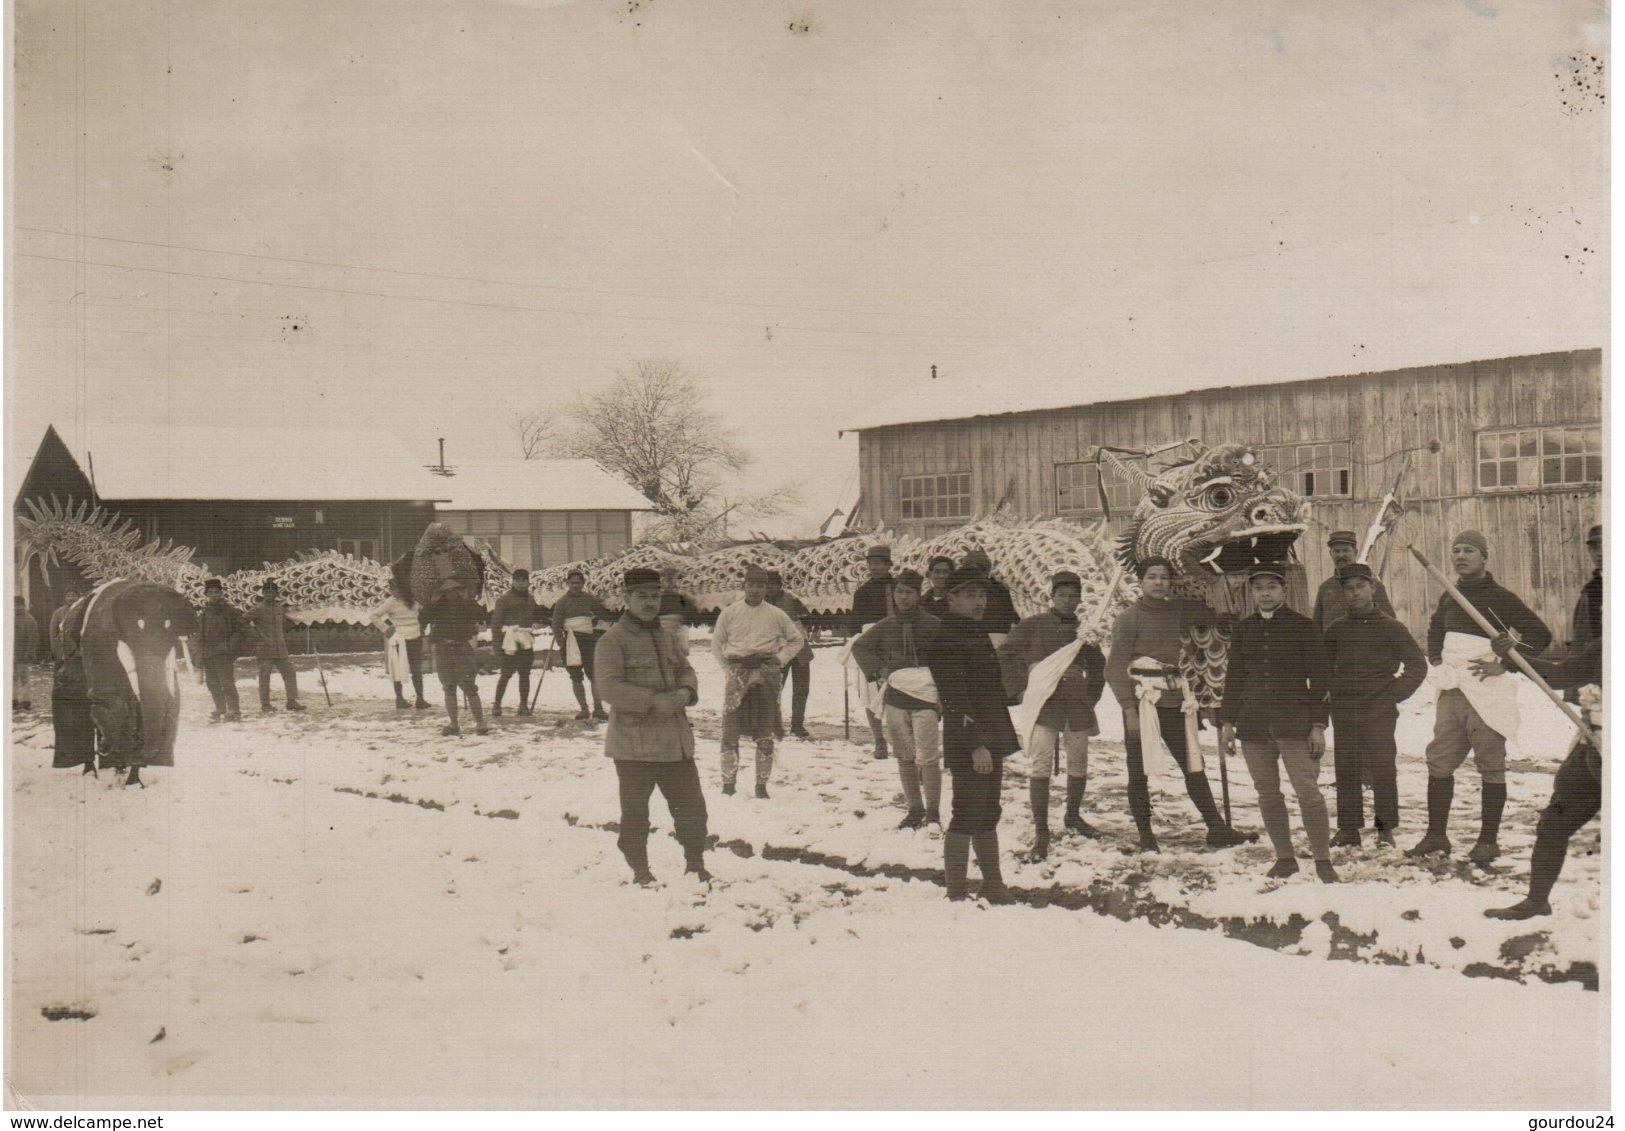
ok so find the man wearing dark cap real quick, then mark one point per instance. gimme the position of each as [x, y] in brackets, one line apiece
[801, 666]
[937, 572]
[513, 636]
[1275, 701]
[1330, 601]
[271, 647]
[222, 634]
[753, 642]
[575, 633]
[1374, 665]
[977, 735]
[892, 656]
[871, 604]
[1475, 712]
[677, 612]
[1000, 616]
[650, 684]
[1067, 718]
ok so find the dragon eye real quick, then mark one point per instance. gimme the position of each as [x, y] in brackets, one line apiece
[1221, 496]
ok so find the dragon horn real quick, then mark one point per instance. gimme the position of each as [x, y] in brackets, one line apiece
[1133, 474]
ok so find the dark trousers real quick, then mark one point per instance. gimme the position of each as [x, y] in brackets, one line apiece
[219, 673]
[1576, 798]
[290, 682]
[1172, 720]
[1363, 750]
[679, 782]
[976, 807]
[518, 663]
[800, 685]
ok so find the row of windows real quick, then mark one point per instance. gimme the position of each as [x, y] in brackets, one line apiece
[537, 539]
[1507, 458]
[1540, 457]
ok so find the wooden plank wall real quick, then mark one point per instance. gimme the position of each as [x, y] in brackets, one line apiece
[1536, 537]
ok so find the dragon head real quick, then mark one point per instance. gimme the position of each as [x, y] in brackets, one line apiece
[1218, 513]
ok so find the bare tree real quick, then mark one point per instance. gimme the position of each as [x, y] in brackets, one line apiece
[653, 429]
[535, 431]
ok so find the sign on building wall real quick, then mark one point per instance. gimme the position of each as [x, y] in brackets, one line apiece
[282, 522]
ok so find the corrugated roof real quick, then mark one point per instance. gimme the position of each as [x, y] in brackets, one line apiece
[974, 395]
[148, 461]
[536, 485]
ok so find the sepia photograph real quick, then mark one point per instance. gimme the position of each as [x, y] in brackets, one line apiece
[757, 556]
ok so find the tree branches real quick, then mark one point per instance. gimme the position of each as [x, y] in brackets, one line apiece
[652, 427]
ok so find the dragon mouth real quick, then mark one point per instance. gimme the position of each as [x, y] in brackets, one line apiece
[1266, 543]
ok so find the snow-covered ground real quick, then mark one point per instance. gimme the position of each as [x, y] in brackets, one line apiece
[346, 908]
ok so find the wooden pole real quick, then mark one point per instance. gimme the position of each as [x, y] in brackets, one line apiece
[1377, 527]
[1569, 712]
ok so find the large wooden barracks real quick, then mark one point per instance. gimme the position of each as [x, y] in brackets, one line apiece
[1520, 457]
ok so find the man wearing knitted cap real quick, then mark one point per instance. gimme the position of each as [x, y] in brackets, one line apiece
[1475, 712]
[1067, 718]
[892, 656]
[1331, 602]
[871, 604]
[650, 684]
[753, 642]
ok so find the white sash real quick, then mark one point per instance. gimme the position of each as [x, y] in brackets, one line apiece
[396, 663]
[1148, 690]
[1494, 697]
[572, 647]
[517, 636]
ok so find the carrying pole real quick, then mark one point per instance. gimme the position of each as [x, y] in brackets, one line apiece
[1517, 657]
[547, 664]
[320, 674]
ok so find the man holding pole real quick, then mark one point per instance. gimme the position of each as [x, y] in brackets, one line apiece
[1577, 786]
[1475, 712]
[1275, 697]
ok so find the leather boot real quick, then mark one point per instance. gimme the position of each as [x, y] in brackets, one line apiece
[1489, 830]
[955, 862]
[987, 859]
[1441, 792]
[1038, 794]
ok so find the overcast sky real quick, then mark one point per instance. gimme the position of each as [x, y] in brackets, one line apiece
[427, 216]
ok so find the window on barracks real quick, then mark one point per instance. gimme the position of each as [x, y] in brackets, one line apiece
[935, 496]
[1527, 458]
[533, 539]
[1078, 488]
[1318, 469]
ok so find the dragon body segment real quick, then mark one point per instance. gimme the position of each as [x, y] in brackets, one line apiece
[1211, 516]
